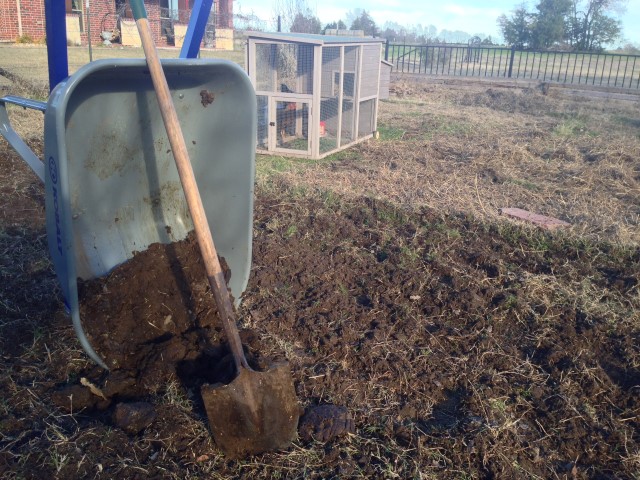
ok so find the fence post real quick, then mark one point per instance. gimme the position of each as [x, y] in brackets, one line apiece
[513, 54]
[386, 51]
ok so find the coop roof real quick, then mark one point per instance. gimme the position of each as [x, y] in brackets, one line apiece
[313, 39]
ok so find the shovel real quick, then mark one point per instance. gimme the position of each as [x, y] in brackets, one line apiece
[257, 411]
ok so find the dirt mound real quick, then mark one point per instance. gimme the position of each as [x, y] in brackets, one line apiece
[151, 315]
[508, 100]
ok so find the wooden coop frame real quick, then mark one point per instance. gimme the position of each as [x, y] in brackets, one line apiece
[316, 94]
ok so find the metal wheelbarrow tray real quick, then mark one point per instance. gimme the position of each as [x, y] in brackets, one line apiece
[111, 185]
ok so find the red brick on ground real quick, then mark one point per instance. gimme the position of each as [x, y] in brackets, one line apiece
[543, 221]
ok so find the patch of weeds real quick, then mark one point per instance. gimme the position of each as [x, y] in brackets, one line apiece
[408, 256]
[511, 301]
[452, 233]
[498, 405]
[509, 232]
[291, 230]
[441, 125]
[526, 393]
[26, 38]
[175, 395]
[298, 191]
[629, 122]
[390, 215]
[525, 184]
[330, 198]
[59, 460]
[396, 101]
[539, 241]
[572, 127]
[390, 133]
[274, 163]
[348, 154]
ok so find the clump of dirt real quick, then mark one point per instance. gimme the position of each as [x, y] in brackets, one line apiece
[508, 100]
[151, 314]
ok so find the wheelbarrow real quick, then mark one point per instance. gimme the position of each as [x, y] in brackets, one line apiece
[111, 185]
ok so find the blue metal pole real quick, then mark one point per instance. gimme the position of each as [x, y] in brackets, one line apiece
[55, 13]
[195, 30]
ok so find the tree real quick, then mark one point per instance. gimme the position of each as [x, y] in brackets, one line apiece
[339, 25]
[305, 24]
[365, 22]
[549, 25]
[290, 11]
[517, 29]
[590, 27]
[585, 25]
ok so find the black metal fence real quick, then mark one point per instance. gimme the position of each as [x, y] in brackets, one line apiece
[601, 69]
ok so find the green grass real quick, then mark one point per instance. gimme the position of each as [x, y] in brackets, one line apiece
[388, 132]
[30, 61]
[444, 125]
[571, 127]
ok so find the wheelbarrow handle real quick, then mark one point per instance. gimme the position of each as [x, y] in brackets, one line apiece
[7, 131]
[189, 185]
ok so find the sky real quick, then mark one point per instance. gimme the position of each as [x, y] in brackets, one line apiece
[471, 16]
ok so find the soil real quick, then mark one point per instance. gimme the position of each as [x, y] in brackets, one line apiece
[150, 315]
[432, 351]
[450, 347]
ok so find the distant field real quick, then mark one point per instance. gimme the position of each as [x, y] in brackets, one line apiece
[30, 62]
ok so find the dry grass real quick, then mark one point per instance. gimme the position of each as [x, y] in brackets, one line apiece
[455, 150]
[479, 149]
[30, 61]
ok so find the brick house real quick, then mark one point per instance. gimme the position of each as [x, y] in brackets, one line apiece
[25, 18]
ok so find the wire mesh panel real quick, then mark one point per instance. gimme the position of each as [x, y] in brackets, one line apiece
[263, 122]
[349, 77]
[329, 102]
[366, 117]
[292, 123]
[284, 67]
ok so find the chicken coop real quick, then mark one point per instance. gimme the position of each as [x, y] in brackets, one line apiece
[316, 94]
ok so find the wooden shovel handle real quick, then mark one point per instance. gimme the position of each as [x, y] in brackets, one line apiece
[187, 178]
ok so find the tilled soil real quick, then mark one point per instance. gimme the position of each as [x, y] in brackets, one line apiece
[438, 345]
[457, 348]
[150, 314]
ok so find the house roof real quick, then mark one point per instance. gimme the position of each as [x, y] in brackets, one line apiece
[313, 39]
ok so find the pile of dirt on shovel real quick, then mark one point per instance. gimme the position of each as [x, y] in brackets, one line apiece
[151, 316]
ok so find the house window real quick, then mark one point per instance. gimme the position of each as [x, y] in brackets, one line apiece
[75, 7]
[123, 9]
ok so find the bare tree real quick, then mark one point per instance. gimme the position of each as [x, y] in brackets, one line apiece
[589, 25]
[288, 10]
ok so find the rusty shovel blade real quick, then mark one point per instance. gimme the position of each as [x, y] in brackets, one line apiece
[257, 412]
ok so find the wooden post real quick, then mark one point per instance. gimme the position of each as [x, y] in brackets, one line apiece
[513, 54]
